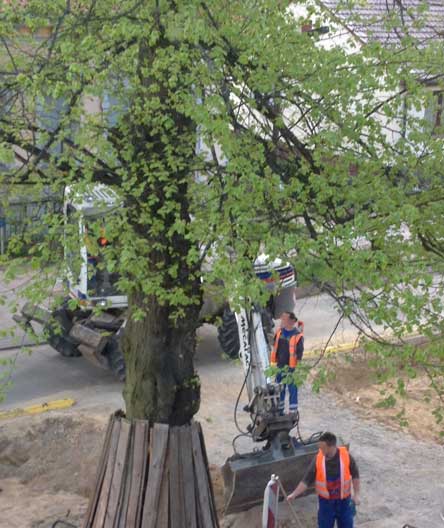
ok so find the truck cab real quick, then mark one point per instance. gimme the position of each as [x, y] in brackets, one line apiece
[85, 214]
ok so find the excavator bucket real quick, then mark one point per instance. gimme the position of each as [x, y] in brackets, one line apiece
[246, 476]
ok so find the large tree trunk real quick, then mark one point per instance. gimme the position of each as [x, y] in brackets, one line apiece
[161, 384]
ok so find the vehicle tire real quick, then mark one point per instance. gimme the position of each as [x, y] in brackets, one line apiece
[228, 334]
[268, 325]
[58, 334]
[114, 356]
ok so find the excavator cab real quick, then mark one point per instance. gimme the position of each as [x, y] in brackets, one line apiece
[89, 281]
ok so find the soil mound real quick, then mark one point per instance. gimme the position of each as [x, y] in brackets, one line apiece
[52, 453]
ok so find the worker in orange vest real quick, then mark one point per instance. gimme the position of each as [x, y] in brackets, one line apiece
[333, 472]
[288, 348]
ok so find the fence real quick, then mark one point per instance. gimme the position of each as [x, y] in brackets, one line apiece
[23, 215]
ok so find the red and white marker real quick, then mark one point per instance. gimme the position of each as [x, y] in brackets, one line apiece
[271, 503]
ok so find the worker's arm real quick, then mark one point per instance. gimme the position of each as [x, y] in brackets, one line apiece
[299, 490]
[273, 363]
[307, 480]
[356, 491]
[355, 479]
[300, 349]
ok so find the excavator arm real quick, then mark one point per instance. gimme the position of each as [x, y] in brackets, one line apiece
[246, 475]
[263, 393]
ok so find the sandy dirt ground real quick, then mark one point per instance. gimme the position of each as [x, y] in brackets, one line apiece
[48, 462]
[357, 386]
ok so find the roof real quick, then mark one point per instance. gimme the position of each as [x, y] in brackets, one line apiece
[95, 199]
[388, 21]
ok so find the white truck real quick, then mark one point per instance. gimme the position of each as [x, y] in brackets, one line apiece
[95, 335]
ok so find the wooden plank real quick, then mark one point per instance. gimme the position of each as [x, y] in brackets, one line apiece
[205, 457]
[99, 518]
[202, 483]
[99, 476]
[187, 472]
[177, 483]
[159, 444]
[106, 321]
[199, 515]
[138, 472]
[120, 521]
[22, 321]
[118, 477]
[88, 337]
[91, 355]
[164, 500]
[34, 312]
[146, 465]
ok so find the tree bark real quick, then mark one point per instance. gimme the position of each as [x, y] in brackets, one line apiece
[161, 384]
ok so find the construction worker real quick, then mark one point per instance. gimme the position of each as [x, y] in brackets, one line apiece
[333, 471]
[288, 348]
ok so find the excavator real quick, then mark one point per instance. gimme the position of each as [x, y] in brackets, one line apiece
[95, 335]
[246, 475]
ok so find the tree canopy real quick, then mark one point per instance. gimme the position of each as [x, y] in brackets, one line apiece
[228, 132]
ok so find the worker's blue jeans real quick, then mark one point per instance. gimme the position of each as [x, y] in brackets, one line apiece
[292, 392]
[331, 510]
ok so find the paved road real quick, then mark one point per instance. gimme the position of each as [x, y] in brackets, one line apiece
[41, 374]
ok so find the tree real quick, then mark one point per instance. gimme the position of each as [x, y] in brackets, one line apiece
[227, 131]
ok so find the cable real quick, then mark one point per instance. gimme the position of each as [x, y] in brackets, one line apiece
[255, 453]
[312, 439]
[233, 442]
[237, 403]
[322, 354]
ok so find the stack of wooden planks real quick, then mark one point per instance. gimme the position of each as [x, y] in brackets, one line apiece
[152, 477]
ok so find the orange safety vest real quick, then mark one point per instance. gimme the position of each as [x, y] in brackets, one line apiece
[321, 474]
[293, 343]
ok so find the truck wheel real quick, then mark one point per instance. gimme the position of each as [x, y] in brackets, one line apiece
[113, 354]
[58, 334]
[228, 334]
[268, 325]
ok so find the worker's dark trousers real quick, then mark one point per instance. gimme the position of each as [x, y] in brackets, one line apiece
[331, 510]
[292, 393]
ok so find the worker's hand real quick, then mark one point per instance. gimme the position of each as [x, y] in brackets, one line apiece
[357, 500]
[291, 497]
